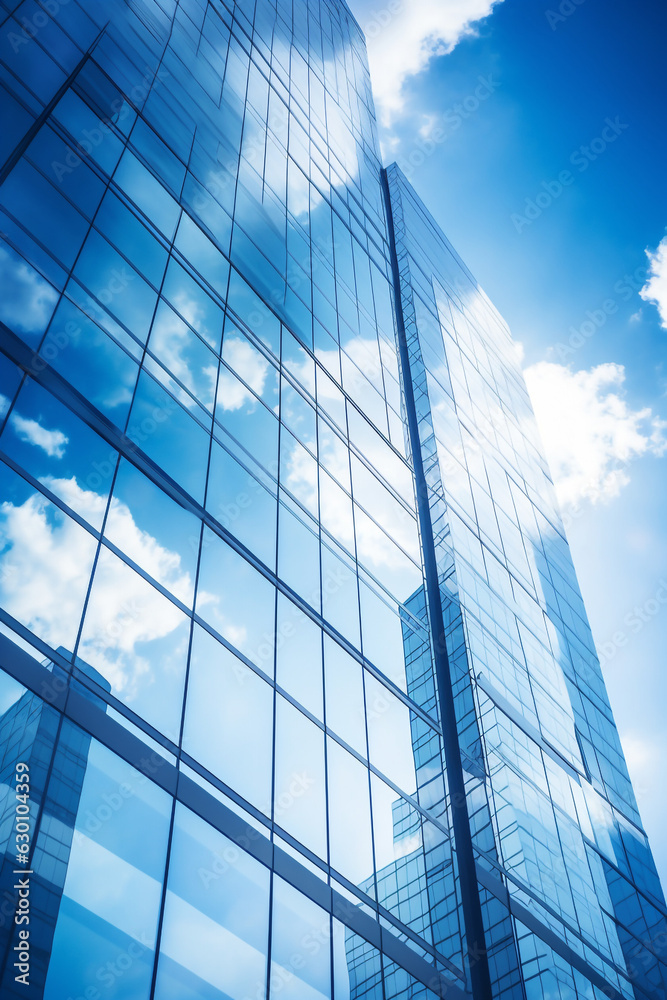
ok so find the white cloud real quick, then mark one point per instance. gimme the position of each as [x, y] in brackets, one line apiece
[402, 41]
[250, 365]
[589, 431]
[27, 300]
[180, 353]
[655, 289]
[48, 560]
[52, 442]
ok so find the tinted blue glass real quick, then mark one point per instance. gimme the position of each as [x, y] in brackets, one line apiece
[116, 285]
[28, 300]
[154, 531]
[170, 436]
[229, 720]
[299, 796]
[68, 458]
[61, 165]
[202, 255]
[122, 228]
[300, 944]
[91, 360]
[187, 366]
[137, 640]
[85, 126]
[45, 552]
[121, 828]
[215, 932]
[243, 502]
[250, 134]
[237, 601]
[193, 304]
[38, 206]
[147, 193]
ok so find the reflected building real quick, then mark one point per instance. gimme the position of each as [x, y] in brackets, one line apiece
[328, 719]
[28, 733]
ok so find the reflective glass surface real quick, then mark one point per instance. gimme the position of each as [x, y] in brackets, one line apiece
[290, 635]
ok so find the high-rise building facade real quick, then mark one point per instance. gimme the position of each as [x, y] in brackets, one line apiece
[292, 647]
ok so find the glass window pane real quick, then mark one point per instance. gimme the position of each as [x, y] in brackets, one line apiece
[116, 285]
[244, 502]
[170, 436]
[400, 985]
[300, 946]
[154, 531]
[247, 420]
[299, 554]
[237, 601]
[216, 920]
[123, 229]
[121, 831]
[382, 634]
[379, 554]
[10, 379]
[60, 451]
[250, 365]
[27, 301]
[389, 735]
[298, 415]
[349, 817]
[340, 594]
[399, 853]
[47, 561]
[44, 212]
[194, 305]
[229, 720]
[185, 357]
[91, 361]
[254, 313]
[147, 192]
[202, 255]
[344, 687]
[299, 656]
[79, 119]
[299, 805]
[357, 966]
[138, 640]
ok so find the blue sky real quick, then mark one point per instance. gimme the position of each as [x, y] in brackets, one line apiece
[534, 133]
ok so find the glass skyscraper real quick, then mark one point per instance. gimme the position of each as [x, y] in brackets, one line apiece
[291, 641]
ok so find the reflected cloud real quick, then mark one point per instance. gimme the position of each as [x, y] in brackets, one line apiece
[301, 476]
[251, 366]
[182, 354]
[27, 299]
[341, 139]
[47, 559]
[32, 432]
[44, 547]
